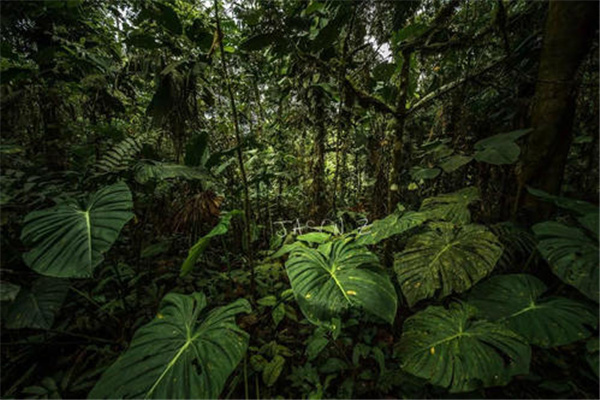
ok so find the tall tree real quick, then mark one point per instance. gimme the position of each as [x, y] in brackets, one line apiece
[569, 30]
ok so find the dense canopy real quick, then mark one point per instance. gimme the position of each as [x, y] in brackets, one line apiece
[299, 199]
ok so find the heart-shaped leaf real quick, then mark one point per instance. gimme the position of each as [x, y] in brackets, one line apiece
[572, 255]
[179, 354]
[500, 149]
[36, 307]
[68, 240]
[337, 276]
[516, 301]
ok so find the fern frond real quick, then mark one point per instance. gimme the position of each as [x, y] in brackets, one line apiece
[120, 156]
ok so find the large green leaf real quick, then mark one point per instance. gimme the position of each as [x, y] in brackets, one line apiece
[519, 245]
[454, 162]
[453, 207]
[516, 301]
[502, 138]
[577, 206]
[409, 32]
[587, 213]
[451, 348]
[499, 154]
[393, 224]
[418, 173]
[572, 255]
[285, 249]
[337, 276]
[500, 149]
[260, 41]
[446, 259]
[314, 237]
[36, 307]
[220, 229]
[327, 35]
[179, 355]
[8, 291]
[591, 222]
[69, 239]
[147, 171]
[196, 151]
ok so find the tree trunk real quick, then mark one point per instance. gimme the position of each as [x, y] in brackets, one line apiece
[55, 156]
[240, 157]
[377, 166]
[318, 205]
[399, 146]
[341, 147]
[569, 29]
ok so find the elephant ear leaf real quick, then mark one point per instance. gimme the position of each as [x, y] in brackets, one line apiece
[337, 276]
[572, 256]
[36, 307]
[500, 149]
[517, 302]
[179, 355]
[451, 207]
[69, 240]
[450, 348]
[446, 259]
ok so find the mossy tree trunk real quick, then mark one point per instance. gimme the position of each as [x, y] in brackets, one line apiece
[378, 168]
[399, 146]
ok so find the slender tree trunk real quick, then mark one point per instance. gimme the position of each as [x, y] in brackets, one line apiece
[344, 117]
[399, 146]
[55, 156]
[238, 137]
[344, 174]
[344, 123]
[376, 148]
[570, 27]
[318, 204]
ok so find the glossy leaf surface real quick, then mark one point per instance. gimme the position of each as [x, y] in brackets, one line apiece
[337, 276]
[69, 240]
[517, 301]
[182, 353]
[453, 349]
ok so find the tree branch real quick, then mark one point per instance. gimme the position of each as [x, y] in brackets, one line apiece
[452, 85]
[365, 99]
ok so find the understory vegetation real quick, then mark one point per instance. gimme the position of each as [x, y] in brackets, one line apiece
[299, 199]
